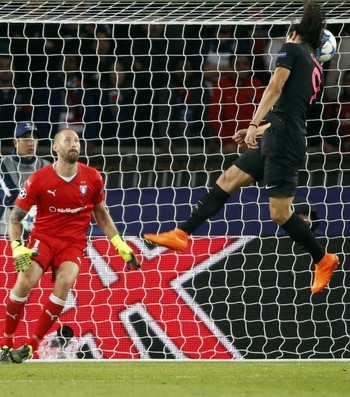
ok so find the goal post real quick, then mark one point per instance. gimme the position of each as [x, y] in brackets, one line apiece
[138, 81]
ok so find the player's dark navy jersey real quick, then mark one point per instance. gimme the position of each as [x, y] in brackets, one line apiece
[303, 86]
[282, 147]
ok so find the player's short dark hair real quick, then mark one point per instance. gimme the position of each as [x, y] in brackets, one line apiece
[311, 26]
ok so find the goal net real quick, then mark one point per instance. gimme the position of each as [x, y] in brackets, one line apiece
[155, 90]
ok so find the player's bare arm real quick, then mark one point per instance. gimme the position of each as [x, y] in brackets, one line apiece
[104, 220]
[270, 97]
[106, 224]
[21, 255]
[240, 135]
[15, 223]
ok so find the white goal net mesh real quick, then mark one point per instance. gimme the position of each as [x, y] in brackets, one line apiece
[155, 90]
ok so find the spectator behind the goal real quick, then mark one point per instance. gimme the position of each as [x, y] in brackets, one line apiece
[216, 51]
[339, 63]
[117, 107]
[74, 103]
[276, 38]
[276, 158]
[15, 100]
[185, 115]
[150, 65]
[98, 55]
[67, 193]
[337, 119]
[35, 51]
[252, 40]
[234, 99]
[15, 170]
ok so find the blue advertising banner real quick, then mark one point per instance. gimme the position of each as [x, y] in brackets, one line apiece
[137, 211]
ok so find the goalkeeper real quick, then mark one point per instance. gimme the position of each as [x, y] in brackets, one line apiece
[66, 194]
[277, 158]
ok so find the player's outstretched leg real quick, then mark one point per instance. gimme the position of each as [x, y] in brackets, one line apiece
[323, 272]
[175, 240]
[21, 354]
[5, 355]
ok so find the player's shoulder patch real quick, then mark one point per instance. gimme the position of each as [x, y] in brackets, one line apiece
[22, 194]
[282, 54]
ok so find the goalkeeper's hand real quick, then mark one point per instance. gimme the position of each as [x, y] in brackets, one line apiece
[125, 252]
[22, 256]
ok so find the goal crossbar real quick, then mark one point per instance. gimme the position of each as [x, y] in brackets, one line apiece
[244, 12]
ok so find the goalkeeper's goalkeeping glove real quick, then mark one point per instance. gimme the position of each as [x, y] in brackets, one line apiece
[125, 252]
[22, 256]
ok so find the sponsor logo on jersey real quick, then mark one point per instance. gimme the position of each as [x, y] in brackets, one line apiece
[282, 55]
[67, 210]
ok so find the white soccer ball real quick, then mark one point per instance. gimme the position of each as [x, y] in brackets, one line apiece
[328, 47]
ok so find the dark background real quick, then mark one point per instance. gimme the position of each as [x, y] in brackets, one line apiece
[262, 297]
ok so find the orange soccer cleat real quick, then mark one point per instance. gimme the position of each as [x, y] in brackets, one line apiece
[175, 239]
[323, 272]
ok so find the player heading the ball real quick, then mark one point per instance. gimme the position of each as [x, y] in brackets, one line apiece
[277, 157]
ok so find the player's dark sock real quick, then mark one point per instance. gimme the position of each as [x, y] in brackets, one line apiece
[208, 206]
[300, 232]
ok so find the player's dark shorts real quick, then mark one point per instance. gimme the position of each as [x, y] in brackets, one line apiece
[277, 161]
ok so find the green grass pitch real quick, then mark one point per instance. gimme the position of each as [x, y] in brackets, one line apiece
[176, 379]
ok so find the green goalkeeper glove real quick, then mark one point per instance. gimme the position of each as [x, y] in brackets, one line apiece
[22, 256]
[125, 252]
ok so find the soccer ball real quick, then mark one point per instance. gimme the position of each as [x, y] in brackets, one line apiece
[328, 47]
